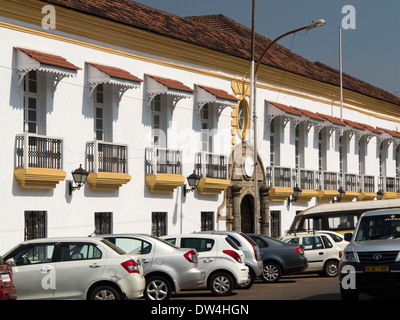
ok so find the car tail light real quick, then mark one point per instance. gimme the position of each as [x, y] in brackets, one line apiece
[191, 256]
[254, 248]
[130, 266]
[233, 254]
[300, 250]
[340, 254]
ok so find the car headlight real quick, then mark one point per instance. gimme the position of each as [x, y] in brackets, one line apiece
[349, 257]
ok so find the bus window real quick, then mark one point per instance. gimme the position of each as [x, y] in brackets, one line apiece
[312, 224]
[342, 222]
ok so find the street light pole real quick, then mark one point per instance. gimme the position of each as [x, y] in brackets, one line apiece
[253, 83]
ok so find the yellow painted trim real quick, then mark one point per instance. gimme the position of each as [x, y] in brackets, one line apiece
[307, 195]
[389, 195]
[212, 186]
[163, 182]
[327, 195]
[107, 181]
[350, 196]
[116, 34]
[39, 178]
[365, 196]
[280, 193]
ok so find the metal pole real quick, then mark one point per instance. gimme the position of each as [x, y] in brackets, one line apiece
[341, 73]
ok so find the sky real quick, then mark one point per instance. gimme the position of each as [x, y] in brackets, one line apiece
[370, 31]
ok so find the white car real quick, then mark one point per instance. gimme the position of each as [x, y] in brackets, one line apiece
[75, 268]
[220, 258]
[322, 252]
[166, 267]
[337, 237]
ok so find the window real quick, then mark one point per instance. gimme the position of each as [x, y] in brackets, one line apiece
[159, 224]
[103, 222]
[199, 244]
[272, 143]
[79, 251]
[312, 243]
[327, 243]
[207, 221]
[293, 240]
[130, 245]
[297, 146]
[35, 224]
[243, 118]
[40, 253]
[260, 242]
[31, 103]
[158, 122]
[99, 112]
[275, 224]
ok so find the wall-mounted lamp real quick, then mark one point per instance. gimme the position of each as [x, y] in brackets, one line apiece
[296, 195]
[340, 195]
[193, 181]
[379, 195]
[79, 175]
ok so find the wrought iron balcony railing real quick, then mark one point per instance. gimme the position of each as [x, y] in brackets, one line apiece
[210, 165]
[106, 157]
[35, 151]
[163, 160]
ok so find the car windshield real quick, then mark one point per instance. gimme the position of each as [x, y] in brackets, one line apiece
[165, 241]
[379, 227]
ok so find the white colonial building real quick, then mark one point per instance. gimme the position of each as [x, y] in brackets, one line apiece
[141, 99]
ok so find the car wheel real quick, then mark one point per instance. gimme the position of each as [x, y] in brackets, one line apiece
[104, 293]
[271, 272]
[331, 268]
[221, 284]
[250, 281]
[157, 288]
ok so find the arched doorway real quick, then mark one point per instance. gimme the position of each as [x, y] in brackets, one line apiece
[247, 214]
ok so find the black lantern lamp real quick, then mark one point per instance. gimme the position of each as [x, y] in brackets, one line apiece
[79, 175]
[296, 194]
[379, 195]
[193, 181]
[340, 195]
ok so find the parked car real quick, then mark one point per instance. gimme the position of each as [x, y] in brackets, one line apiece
[7, 288]
[219, 257]
[166, 267]
[279, 258]
[322, 252]
[337, 237]
[75, 268]
[251, 252]
[370, 263]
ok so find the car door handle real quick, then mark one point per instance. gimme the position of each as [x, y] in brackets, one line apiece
[208, 260]
[321, 253]
[94, 265]
[145, 260]
[46, 269]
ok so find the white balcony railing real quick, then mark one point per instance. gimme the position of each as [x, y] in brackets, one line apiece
[106, 157]
[163, 160]
[35, 151]
[211, 165]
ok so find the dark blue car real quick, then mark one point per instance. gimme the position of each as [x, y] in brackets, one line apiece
[279, 258]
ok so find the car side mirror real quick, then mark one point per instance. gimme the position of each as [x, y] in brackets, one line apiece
[348, 236]
[11, 262]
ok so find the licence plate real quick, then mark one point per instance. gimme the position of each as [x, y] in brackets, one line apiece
[5, 278]
[376, 268]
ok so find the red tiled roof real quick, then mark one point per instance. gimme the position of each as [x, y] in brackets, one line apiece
[331, 119]
[49, 59]
[171, 84]
[392, 133]
[310, 114]
[353, 124]
[116, 72]
[286, 108]
[370, 128]
[222, 34]
[219, 93]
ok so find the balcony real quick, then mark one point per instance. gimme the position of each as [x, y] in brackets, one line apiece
[325, 184]
[107, 164]
[213, 170]
[163, 169]
[38, 161]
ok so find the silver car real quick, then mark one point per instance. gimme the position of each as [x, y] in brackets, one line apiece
[251, 253]
[166, 267]
[75, 268]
